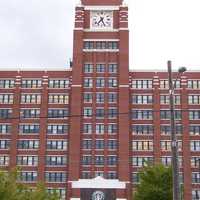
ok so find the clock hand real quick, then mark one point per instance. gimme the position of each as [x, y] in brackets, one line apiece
[101, 20]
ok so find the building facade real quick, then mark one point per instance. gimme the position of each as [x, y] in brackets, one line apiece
[86, 131]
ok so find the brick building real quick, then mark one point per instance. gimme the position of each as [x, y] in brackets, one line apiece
[87, 130]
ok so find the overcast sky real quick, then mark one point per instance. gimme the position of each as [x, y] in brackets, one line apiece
[38, 34]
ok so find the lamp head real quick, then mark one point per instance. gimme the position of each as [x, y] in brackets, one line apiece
[182, 70]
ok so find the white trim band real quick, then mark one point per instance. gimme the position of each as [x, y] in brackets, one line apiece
[76, 85]
[101, 40]
[99, 183]
[100, 50]
[124, 86]
[101, 7]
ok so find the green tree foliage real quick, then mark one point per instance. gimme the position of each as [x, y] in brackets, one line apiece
[155, 183]
[11, 189]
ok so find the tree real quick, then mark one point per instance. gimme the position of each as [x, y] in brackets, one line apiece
[12, 189]
[155, 183]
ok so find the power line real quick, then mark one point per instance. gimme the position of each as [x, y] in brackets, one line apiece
[101, 116]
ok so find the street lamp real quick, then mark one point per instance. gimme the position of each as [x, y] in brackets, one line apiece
[174, 145]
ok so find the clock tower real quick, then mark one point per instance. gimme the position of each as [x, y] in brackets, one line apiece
[99, 140]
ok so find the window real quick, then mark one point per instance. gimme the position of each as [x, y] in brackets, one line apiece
[166, 129]
[100, 68]
[87, 160]
[57, 145]
[99, 144]
[112, 144]
[61, 192]
[195, 162]
[31, 83]
[6, 98]
[100, 128]
[166, 145]
[56, 83]
[87, 144]
[5, 128]
[4, 144]
[56, 160]
[58, 99]
[112, 129]
[99, 173]
[141, 161]
[112, 68]
[142, 99]
[99, 160]
[112, 113]
[112, 45]
[28, 144]
[100, 97]
[31, 98]
[101, 45]
[194, 84]
[195, 177]
[112, 160]
[30, 113]
[112, 175]
[100, 82]
[112, 82]
[58, 113]
[164, 84]
[142, 145]
[100, 113]
[88, 82]
[29, 128]
[87, 97]
[195, 194]
[87, 112]
[7, 83]
[28, 176]
[87, 128]
[165, 114]
[135, 178]
[166, 160]
[193, 99]
[142, 114]
[56, 129]
[55, 177]
[86, 175]
[5, 113]
[112, 97]
[195, 145]
[4, 160]
[194, 114]
[88, 68]
[27, 160]
[164, 99]
[88, 45]
[142, 84]
[142, 129]
[194, 129]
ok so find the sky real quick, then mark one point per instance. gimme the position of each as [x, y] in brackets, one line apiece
[37, 34]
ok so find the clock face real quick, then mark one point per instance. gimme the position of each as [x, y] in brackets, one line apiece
[101, 19]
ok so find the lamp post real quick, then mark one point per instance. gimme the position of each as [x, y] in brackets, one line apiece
[174, 144]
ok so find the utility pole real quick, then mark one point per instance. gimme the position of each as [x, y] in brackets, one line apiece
[174, 144]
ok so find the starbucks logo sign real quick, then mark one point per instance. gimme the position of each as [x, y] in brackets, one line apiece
[98, 195]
